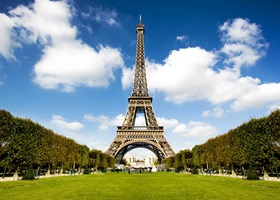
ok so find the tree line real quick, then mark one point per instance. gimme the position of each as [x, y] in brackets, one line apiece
[254, 144]
[25, 144]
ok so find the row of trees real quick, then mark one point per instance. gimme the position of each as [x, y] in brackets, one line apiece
[255, 143]
[24, 143]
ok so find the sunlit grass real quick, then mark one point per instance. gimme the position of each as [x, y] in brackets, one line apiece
[140, 186]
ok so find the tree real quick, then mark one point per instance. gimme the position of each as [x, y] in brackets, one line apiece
[187, 156]
[235, 152]
[27, 141]
[254, 142]
[84, 155]
[94, 156]
[28, 145]
[197, 156]
[111, 161]
[273, 129]
[103, 165]
[169, 162]
[46, 154]
[178, 162]
[6, 130]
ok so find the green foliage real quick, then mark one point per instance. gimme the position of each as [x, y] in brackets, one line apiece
[183, 159]
[99, 160]
[178, 162]
[6, 130]
[26, 141]
[197, 155]
[111, 161]
[169, 162]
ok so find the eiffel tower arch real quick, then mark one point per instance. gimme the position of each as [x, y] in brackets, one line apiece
[150, 136]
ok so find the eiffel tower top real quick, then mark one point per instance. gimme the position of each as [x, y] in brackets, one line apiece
[140, 88]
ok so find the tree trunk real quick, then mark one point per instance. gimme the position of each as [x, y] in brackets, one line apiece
[74, 166]
[243, 170]
[49, 170]
[232, 171]
[15, 176]
[220, 171]
[79, 170]
[61, 170]
[265, 174]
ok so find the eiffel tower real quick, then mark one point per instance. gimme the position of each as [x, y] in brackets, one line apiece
[130, 136]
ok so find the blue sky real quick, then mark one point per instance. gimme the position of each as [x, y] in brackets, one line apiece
[68, 65]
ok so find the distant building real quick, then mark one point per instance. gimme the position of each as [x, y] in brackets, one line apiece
[130, 160]
[148, 162]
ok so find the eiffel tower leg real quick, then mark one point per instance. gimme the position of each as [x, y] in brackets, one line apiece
[119, 156]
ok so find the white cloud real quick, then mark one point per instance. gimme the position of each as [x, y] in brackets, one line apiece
[243, 42]
[167, 123]
[104, 121]
[192, 74]
[73, 64]
[273, 107]
[127, 77]
[45, 21]
[262, 95]
[101, 15]
[7, 44]
[216, 112]
[240, 55]
[194, 129]
[182, 38]
[241, 31]
[60, 121]
[67, 62]
[178, 76]
[140, 120]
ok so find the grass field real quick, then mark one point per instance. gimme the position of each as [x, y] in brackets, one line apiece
[169, 186]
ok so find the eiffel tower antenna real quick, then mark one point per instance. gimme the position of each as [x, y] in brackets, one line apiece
[150, 136]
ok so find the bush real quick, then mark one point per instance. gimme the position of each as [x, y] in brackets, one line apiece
[194, 171]
[86, 171]
[251, 174]
[29, 174]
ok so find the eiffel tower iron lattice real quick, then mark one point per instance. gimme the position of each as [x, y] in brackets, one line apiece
[130, 136]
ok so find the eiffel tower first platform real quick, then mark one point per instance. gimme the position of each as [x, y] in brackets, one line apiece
[130, 136]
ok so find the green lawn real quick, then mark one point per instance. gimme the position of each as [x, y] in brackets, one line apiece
[122, 186]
